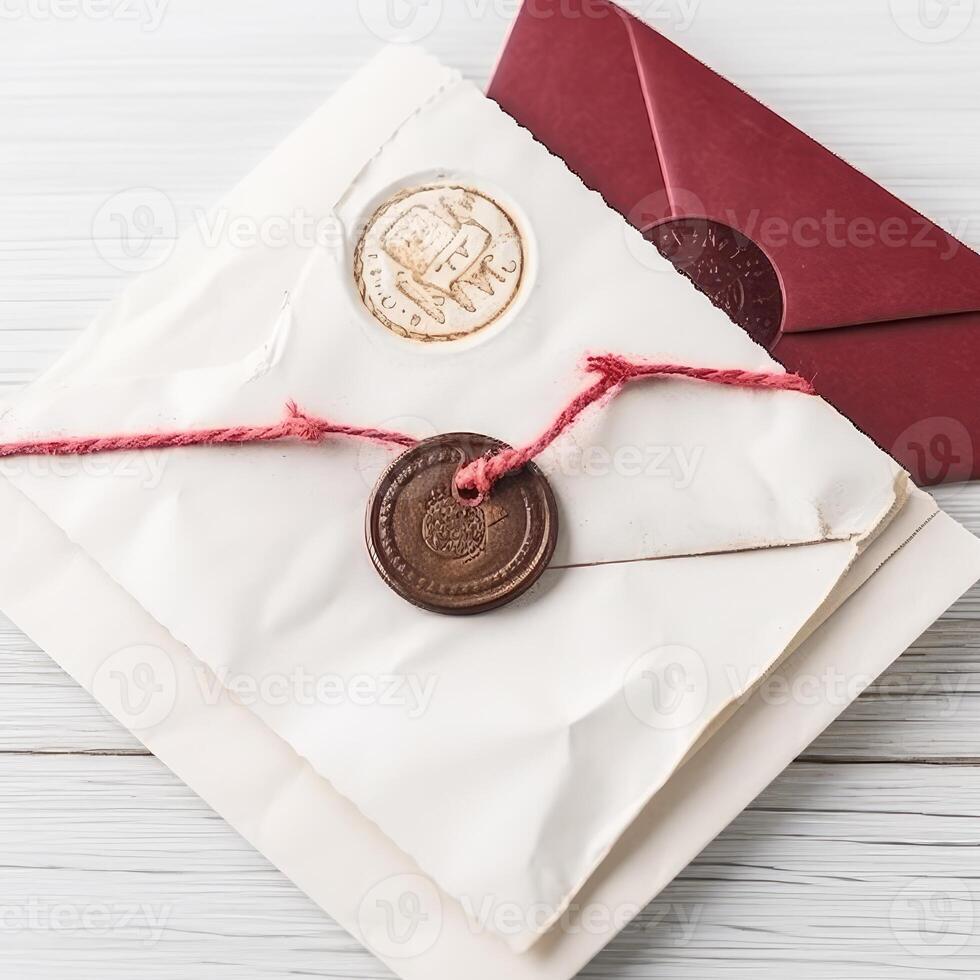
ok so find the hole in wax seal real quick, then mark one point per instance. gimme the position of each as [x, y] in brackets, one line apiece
[467, 496]
[729, 268]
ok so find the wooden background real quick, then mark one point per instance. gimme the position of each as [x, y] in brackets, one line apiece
[860, 861]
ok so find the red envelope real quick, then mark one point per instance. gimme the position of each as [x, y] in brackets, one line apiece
[841, 280]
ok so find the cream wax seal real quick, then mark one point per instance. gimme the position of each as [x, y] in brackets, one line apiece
[439, 263]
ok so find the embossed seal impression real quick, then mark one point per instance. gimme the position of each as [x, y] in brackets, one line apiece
[439, 263]
[445, 555]
[729, 268]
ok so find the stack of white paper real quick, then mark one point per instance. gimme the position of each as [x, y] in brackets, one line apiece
[456, 791]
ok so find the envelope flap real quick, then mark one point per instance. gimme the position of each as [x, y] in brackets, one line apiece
[846, 250]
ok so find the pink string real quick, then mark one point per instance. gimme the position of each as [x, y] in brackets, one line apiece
[296, 425]
[478, 477]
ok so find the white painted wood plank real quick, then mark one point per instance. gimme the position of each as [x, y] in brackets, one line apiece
[813, 874]
[43, 710]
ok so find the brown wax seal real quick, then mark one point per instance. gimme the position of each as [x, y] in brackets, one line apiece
[449, 556]
[729, 268]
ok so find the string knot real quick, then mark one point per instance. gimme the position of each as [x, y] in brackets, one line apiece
[474, 479]
[478, 477]
[616, 370]
[299, 425]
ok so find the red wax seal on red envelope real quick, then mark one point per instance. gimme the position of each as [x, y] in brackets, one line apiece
[729, 268]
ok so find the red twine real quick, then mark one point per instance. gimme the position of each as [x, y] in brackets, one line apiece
[478, 477]
[614, 373]
[296, 425]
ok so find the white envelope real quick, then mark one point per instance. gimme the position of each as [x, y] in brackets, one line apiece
[273, 798]
[532, 757]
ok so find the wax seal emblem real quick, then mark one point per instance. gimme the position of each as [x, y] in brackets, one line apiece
[439, 263]
[729, 268]
[443, 554]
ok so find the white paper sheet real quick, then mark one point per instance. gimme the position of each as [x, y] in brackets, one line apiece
[274, 799]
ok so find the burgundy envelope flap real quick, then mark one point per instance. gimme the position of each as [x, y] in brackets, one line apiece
[845, 250]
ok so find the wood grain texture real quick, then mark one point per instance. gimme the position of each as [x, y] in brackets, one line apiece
[853, 865]
[812, 875]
